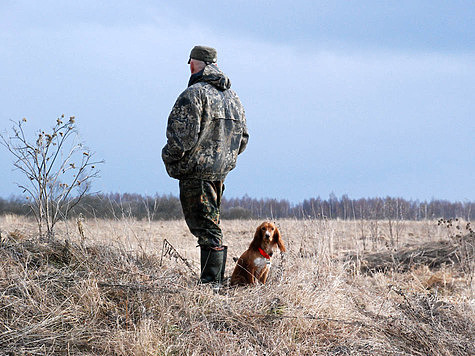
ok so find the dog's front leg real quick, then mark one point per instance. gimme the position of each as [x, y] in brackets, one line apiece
[263, 276]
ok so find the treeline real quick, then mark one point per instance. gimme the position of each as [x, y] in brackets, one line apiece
[350, 209]
[167, 207]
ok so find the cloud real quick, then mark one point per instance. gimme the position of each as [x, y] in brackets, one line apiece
[324, 113]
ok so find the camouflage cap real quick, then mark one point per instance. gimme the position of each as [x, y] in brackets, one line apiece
[203, 53]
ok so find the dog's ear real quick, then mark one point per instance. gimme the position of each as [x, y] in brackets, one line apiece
[278, 238]
[257, 241]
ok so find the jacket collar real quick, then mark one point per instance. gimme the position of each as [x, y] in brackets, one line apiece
[195, 78]
[211, 74]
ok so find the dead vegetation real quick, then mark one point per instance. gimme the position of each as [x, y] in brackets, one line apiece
[104, 292]
[459, 253]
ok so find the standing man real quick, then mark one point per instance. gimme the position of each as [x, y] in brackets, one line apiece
[206, 131]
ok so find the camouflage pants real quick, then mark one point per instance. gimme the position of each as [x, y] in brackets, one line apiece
[201, 202]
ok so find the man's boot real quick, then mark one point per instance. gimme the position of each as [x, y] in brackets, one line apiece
[225, 256]
[212, 264]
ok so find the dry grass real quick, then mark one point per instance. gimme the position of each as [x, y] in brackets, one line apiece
[108, 295]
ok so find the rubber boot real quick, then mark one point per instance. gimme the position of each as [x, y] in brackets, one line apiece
[225, 256]
[212, 266]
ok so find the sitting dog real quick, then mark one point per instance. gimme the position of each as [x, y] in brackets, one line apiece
[254, 263]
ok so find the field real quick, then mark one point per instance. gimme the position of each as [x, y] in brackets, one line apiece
[109, 291]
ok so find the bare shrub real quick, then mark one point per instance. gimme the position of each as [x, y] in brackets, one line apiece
[58, 170]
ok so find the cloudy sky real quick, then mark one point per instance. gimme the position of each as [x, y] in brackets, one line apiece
[365, 98]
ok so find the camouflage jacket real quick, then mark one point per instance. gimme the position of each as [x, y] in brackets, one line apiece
[206, 129]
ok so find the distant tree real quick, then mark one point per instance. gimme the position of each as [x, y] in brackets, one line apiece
[57, 167]
[237, 213]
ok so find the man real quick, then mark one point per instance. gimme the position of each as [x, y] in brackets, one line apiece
[206, 131]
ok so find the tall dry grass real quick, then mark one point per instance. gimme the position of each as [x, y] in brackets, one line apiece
[107, 294]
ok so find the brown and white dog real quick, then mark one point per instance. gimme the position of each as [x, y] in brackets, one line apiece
[254, 263]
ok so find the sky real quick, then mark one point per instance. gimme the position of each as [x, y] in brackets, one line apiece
[364, 98]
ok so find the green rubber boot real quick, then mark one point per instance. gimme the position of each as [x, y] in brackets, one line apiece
[213, 262]
[225, 256]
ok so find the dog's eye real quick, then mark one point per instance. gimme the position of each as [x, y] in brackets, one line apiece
[263, 229]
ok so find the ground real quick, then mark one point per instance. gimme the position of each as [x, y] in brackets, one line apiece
[109, 291]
